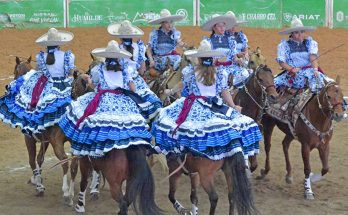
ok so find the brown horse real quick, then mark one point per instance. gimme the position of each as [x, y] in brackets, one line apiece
[255, 96]
[313, 129]
[117, 166]
[52, 135]
[202, 171]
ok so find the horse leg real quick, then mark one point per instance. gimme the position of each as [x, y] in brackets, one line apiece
[207, 182]
[95, 185]
[173, 185]
[308, 193]
[73, 172]
[193, 197]
[41, 155]
[85, 168]
[324, 150]
[30, 143]
[253, 163]
[58, 148]
[286, 143]
[268, 126]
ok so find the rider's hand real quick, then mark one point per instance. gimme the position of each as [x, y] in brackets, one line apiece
[316, 72]
[168, 92]
[294, 70]
[238, 108]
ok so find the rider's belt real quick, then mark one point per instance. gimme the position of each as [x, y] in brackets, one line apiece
[227, 63]
[174, 52]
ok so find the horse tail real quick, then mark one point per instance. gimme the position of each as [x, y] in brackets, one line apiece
[241, 197]
[141, 186]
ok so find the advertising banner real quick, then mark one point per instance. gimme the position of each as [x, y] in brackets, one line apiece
[31, 13]
[88, 13]
[340, 14]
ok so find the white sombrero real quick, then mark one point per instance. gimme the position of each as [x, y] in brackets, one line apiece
[296, 25]
[55, 38]
[111, 51]
[229, 21]
[204, 50]
[125, 29]
[165, 15]
[230, 13]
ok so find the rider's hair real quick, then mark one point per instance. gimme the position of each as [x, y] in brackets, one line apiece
[128, 46]
[212, 33]
[112, 64]
[50, 60]
[206, 74]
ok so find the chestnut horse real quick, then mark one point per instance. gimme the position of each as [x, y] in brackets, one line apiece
[52, 135]
[255, 59]
[255, 96]
[313, 129]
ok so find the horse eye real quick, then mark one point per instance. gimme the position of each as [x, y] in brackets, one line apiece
[329, 97]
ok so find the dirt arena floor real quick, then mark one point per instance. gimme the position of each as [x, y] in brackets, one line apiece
[272, 195]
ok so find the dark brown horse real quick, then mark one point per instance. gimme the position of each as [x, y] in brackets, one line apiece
[255, 96]
[313, 129]
[202, 171]
[57, 139]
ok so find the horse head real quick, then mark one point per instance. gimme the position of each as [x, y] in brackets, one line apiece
[80, 85]
[330, 99]
[22, 67]
[263, 78]
[256, 59]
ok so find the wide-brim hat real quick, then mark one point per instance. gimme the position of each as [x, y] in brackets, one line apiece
[296, 25]
[229, 21]
[111, 51]
[124, 29]
[204, 50]
[230, 13]
[55, 37]
[165, 15]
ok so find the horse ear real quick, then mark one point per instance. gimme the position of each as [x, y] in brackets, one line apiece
[258, 50]
[75, 74]
[338, 79]
[18, 61]
[29, 59]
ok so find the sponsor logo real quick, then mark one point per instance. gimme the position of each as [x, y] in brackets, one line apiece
[289, 16]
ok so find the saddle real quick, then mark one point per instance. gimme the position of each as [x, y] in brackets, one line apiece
[290, 105]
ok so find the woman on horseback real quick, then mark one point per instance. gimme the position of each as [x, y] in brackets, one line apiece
[201, 123]
[111, 117]
[38, 99]
[242, 59]
[298, 57]
[163, 42]
[136, 64]
[223, 41]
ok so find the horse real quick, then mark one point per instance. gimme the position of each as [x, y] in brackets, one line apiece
[255, 59]
[255, 96]
[313, 129]
[202, 171]
[117, 166]
[57, 139]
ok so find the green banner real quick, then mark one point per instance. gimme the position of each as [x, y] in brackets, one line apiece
[258, 13]
[340, 14]
[31, 13]
[139, 12]
[311, 12]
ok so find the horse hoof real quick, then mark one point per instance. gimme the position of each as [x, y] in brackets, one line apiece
[288, 179]
[79, 209]
[309, 196]
[68, 201]
[94, 196]
[262, 174]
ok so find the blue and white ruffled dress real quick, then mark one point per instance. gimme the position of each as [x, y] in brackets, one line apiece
[142, 89]
[56, 95]
[227, 44]
[116, 124]
[162, 45]
[205, 132]
[297, 55]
